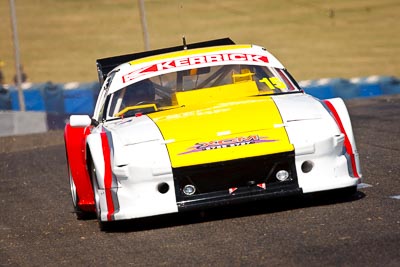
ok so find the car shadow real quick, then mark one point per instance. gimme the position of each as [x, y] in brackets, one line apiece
[233, 211]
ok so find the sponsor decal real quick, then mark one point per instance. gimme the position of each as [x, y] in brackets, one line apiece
[193, 61]
[124, 121]
[234, 189]
[231, 142]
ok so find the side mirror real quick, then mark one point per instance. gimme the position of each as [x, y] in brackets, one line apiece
[80, 121]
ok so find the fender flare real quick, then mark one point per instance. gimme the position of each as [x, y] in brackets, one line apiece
[75, 148]
[337, 108]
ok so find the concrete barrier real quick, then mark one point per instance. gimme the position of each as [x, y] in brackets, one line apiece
[19, 123]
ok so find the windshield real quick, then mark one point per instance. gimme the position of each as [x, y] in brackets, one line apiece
[157, 93]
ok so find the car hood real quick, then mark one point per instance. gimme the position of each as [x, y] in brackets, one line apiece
[222, 131]
[298, 107]
[206, 133]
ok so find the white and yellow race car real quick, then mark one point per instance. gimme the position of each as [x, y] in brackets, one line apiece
[200, 125]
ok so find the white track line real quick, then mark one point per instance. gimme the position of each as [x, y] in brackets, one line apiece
[363, 185]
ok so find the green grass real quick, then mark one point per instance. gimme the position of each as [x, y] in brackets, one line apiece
[61, 39]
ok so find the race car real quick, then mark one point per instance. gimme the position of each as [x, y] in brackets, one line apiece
[202, 125]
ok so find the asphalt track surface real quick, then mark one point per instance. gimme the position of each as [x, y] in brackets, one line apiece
[38, 226]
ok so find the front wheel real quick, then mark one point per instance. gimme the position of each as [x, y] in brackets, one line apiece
[336, 195]
[346, 192]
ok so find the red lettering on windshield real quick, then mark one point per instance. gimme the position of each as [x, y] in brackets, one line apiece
[193, 61]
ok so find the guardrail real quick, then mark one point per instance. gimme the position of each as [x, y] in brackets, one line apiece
[59, 101]
[352, 88]
[68, 98]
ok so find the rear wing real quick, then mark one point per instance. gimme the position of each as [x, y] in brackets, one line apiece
[105, 65]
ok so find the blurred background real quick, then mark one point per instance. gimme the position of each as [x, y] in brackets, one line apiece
[347, 41]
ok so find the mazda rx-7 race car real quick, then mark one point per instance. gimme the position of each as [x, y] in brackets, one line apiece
[201, 125]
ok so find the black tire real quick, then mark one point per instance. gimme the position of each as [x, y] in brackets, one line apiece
[346, 192]
[80, 214]
[334, 195]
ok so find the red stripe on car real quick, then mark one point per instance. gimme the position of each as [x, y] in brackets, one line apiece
[107, 175]
[347, 144]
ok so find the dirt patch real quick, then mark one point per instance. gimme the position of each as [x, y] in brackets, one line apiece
[32, 141]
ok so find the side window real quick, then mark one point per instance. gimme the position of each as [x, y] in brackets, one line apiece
[274, 80]
[100, 108]
[114, 103]
[290, 85]
[103, 99]
[265, 79]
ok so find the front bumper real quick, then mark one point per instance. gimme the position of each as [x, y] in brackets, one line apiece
[222, 199]
[235, 181]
